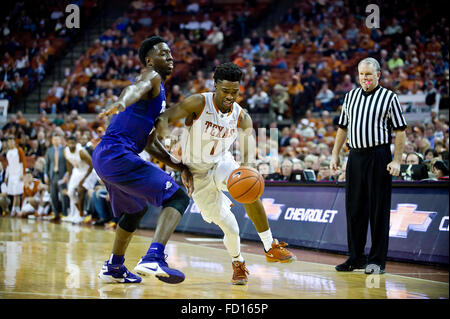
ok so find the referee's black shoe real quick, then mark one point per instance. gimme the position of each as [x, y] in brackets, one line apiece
[351, 265]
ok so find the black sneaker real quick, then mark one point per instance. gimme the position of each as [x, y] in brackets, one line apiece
[100, 222]
[351, 265]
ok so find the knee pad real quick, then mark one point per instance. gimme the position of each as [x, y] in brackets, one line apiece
[130, 222]
[179, 200]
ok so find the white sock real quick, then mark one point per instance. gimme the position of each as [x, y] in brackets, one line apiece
[238, 258]
[267, 239]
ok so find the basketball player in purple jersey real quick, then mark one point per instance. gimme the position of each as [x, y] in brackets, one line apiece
[131, 182]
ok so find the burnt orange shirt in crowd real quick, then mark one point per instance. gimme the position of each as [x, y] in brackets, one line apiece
[30, 191]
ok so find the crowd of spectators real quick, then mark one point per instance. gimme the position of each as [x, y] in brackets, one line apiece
[296, 72]
[34, 139]
[305, 64]
[33, 36]
[297, 153]
[112, 62]
[96, 80]
[307, 147]
[308, 60]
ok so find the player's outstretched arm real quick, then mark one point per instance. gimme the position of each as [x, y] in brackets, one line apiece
[135, 92]
[191, 106]
[247, 141]
[158, 151]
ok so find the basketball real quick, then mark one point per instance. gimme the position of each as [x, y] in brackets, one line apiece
[245, 185]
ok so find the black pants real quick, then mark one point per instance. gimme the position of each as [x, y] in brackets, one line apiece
[55, 189]
[368, 198]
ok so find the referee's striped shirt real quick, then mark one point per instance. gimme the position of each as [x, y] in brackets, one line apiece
[369, 117]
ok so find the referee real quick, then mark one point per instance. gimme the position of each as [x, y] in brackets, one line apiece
[369, 114]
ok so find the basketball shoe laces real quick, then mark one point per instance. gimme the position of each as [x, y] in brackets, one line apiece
[281, 250]
[152, 257]
[281, 246]
[119, 271]
[241, 270]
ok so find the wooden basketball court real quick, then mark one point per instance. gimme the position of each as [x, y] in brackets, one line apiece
[41, 260]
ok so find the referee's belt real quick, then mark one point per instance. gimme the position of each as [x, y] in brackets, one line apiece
[368, 149]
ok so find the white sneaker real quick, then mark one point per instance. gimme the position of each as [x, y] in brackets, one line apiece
[117, 274]
[77, 219]
[67, 219]
[13, 212]
[47, 217]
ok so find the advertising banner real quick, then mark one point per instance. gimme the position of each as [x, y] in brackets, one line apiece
[415, 108]
[314, 217]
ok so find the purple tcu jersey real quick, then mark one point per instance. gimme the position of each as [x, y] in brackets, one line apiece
[132, 126]
[131, 182]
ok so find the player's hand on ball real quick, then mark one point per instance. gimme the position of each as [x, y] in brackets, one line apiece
[115, 108]
[188, 180]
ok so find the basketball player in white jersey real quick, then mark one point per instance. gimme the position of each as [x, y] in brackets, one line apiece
[79, 168]
[213, 120]
[15, 170]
